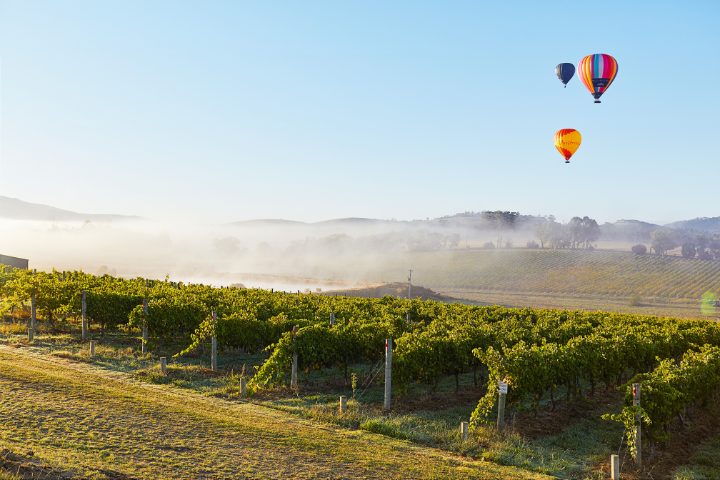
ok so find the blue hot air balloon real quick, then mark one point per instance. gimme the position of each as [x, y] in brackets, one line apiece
[565, 72]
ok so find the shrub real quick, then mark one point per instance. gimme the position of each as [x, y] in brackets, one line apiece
[639, 249]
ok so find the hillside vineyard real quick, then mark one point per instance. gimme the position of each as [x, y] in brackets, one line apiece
[539, 353]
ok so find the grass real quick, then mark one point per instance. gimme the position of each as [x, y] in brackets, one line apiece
[95, 423]
[422, 416]
[435, 418]
[704, 464]
[433, 422]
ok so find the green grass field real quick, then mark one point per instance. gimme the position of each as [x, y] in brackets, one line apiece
[67, 419]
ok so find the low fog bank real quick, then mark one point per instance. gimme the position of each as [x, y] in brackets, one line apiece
[293, 255]
[261, 254]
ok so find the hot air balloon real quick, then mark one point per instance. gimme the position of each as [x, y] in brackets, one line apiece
[565, 72]
[597, 72]
[567, 141]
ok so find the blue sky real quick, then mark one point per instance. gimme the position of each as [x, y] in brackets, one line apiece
[311, 110]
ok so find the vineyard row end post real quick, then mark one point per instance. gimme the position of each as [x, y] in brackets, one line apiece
[615, 467]
[33, 317]
[343, 404]
[213, 344]
[294, 368]
[638, 425]
[502, 397]
[83, 316]
[388, 373]
[145, 326]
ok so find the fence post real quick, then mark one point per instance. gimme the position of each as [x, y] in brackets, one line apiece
[502, 394]
[163, 365]
[388, 373]
[213, 344]
[243, 387]
[638, 425]
[33, 317]
[615, 467]
[92, 348]
[343, 403]
[83, 316]
[294, 369]
[144, 326]
[463, 431]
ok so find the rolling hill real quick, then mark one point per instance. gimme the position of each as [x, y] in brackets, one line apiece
[15, 209]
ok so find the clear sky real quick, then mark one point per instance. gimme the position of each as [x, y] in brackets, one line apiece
[312, 110]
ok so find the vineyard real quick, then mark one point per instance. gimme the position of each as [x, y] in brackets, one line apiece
[548, 358]
[598, 272]
[582, 279]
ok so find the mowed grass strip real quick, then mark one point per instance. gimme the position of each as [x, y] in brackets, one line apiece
[99, 424]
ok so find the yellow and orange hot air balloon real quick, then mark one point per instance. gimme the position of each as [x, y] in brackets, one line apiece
[567, 141]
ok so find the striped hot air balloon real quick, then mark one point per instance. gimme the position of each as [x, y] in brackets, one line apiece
[597, 72]
[567, 141]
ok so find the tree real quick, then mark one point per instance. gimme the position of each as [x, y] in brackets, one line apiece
[639, 249]
[688, 250]
[591, 231]
[544, 231]
[576, 231]
[702, 242]
[714, 246]
[662, 241]
[583, 231]
[500, 220]
[704, 255]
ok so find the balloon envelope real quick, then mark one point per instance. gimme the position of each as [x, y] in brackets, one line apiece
[597, 72]
[565, 72]
[567, 141]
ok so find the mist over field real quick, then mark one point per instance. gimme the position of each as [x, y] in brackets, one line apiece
[460, 254]
[343, 252]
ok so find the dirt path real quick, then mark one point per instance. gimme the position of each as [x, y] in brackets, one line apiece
[92, 423]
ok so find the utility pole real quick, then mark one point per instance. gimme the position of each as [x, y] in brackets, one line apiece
[410, 283]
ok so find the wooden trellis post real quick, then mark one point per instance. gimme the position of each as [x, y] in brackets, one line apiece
[83, 316]
[294, 368]
[213, 344]
[388, 374]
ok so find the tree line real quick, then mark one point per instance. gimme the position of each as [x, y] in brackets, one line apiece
[692, 245]
[579, 232]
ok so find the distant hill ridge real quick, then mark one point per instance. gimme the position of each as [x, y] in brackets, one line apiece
[702, 224]
[17, 209]
[13, 208]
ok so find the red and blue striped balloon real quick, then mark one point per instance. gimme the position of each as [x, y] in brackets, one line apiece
[597, 72]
